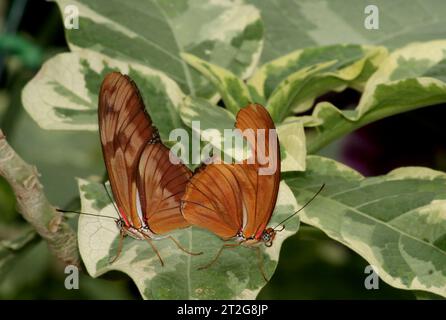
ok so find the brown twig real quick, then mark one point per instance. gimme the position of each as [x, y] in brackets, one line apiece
[34, 206]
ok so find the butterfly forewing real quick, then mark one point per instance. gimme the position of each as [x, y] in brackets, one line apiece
[255, 117]
[124, 129]
[146, 186]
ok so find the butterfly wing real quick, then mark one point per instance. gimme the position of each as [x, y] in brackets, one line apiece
[161, 184]
[260, 187]
[225, 198]
[124, 128]
[213, 201]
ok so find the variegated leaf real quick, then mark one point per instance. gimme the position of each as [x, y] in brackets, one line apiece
[279, 103]
[291, 136]
[236, 274]
[234, 92]
[291, 83]
[397, 222]
[64, 93]
[409, 78]
[154, 33]
[293, 148]
[291, 25]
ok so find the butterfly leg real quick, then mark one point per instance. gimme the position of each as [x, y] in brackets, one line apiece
[260, 260]
[262, 270]
[156, 251]
[225, 246]
[120, 244]
[183, 249]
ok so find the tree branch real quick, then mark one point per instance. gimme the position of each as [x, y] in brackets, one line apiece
[34, 206]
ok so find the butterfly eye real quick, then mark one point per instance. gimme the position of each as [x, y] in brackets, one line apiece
[266, 237]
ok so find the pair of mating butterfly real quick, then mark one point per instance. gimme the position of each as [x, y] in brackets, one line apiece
[155, 196]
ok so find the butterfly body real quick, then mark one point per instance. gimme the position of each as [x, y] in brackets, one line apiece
[128, 230]
[138, 234]
[265, 237]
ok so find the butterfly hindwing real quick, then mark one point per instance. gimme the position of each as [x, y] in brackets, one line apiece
[161, 184]
[213, 201]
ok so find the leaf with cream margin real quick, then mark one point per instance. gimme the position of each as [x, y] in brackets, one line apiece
[236, 274]
[409, 78]
[348, 66]
[397, 222]
[291, 25]
[292, 83]
[234, 92]
[64, 93]
[154, 33]
[293, 148]
[279, 103]
[291, 135]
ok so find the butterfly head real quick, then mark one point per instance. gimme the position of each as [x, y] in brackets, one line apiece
[268, 236]
[120, 223]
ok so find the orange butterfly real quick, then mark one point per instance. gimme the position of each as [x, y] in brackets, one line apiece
[146, 186]
[236, 201]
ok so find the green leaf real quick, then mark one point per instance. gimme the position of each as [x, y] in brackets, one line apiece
[28, 53]
[66, 154]
[232, 89]
[153, 33]
[64, 94]
[16, 257]
[293, 148]
[423, 295]
[396, 222]
[7, 203]
[291, 25]
[409, 78]
[11, 249]
[333, 68]
[208, 123]
[279, 104]
[234, 276]
[291, 135]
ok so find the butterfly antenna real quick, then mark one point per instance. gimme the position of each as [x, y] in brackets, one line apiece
[84, 213]
[306, 204]
[92, 214]
[111, 199]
